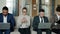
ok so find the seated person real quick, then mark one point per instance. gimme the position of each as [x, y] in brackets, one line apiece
[23, 22]
[40, 19]
[6, 17]
[56, 19]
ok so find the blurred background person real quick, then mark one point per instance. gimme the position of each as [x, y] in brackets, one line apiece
[55, 19]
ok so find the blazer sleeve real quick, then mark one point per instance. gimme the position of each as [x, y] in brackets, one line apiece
[35, 24]
[47, 19]
[12, 21]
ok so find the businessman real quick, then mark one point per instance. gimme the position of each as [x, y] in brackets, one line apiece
[56, 19]
[40, 19]
[6, 17]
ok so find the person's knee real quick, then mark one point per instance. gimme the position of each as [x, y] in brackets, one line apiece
[48, 30]
[39, 30]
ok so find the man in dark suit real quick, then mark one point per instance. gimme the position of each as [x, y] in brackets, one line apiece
[5, 17]
[56, 19]
[40, 19]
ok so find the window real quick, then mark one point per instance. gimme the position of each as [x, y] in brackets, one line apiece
[13, 7]
[46, 7]
[45, 4]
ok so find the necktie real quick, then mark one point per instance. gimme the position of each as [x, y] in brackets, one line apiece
[41, 20]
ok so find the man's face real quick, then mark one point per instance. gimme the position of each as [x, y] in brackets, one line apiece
[41, 14]
[24, 11]
[58, 13]
[5, 12]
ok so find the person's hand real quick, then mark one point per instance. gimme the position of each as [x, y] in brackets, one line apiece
[24, 20]
[55, 23]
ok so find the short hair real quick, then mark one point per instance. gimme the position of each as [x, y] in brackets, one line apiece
[5, 8]
[24, 8]
[41, 10]
[58, 8]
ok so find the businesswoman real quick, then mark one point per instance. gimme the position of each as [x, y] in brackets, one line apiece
[24, 22]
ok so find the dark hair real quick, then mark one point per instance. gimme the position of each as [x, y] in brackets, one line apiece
[58, 8]
[41, 10]
[24, 8]
[5, 8]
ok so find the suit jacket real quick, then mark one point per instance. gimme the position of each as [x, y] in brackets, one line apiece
[36, 21]
[54, 19]
[10, 19]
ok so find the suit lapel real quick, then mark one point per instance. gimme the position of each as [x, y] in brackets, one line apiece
[56, 18]
[2, 17]
[39, 19]
[44, 19]
[8, 18]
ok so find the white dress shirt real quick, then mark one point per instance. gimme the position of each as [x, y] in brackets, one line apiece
[41, 19]
[4, 19]
[58, 17]
[23, 25]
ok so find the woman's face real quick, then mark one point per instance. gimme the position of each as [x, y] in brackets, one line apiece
[24, 11]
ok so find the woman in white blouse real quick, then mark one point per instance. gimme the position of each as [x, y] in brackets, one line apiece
[23, 22]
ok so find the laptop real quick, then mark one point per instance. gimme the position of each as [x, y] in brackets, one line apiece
[4, 26]
[44, 25]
